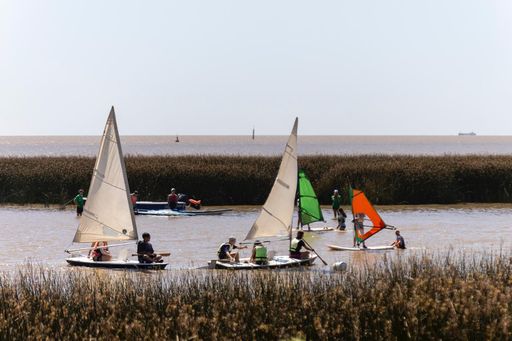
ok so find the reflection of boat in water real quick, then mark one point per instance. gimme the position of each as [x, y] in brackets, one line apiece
[471, 133]
[108, 213]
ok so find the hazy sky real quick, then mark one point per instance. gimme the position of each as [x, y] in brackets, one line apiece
[221, 67]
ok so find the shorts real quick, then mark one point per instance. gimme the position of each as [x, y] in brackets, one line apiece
[295, 255]
[79, 209]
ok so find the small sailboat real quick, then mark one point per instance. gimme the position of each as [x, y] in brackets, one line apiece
[361, 206]
[275, 219]
[108, 212]
[309, 210]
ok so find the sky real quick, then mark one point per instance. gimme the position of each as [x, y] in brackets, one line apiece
[222, 67]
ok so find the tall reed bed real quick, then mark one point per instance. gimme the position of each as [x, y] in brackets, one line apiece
[222, 180]
[423, 297]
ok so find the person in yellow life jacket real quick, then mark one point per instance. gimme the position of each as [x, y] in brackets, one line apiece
[259, 253]
[296, 245]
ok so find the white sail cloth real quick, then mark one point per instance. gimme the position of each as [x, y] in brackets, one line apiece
[276, 215]
[108, 212]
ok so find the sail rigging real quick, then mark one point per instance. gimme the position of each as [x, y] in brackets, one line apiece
[361, 205]
[275, 218]
[108, 212]
[309, 207]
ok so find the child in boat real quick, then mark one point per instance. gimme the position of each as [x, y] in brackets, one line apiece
[296, 245]
[259, 254]
[101, 254]
[399, 243]
[341, 219]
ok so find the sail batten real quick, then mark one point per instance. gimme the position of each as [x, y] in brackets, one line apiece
[275, 219]
[309, 206]
[108, 213]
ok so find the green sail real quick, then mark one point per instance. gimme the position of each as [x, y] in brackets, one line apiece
[309, 207]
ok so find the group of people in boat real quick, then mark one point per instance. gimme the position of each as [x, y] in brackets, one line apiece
[100, 253]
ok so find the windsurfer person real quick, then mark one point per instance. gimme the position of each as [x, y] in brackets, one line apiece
[226, 253]
[296, 245]
[399, 243]
[341, 219]
[172, 199]
[79, 202]
[336, 202]
[359, 228]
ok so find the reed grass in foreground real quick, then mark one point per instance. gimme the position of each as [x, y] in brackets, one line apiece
[423, 297]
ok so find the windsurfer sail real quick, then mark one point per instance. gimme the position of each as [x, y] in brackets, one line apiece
[362, 206]
[309, 207]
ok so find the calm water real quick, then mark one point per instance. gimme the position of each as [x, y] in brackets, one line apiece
[41, 235]
[262, 145]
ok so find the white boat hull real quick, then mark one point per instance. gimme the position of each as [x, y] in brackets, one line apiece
[369, 248]
[316, 229]
[114, 264]
[169, 212]
[276, 263]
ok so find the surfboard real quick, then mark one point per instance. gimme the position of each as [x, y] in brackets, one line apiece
[369, 248]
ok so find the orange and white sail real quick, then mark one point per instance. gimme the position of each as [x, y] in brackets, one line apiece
[361, 205]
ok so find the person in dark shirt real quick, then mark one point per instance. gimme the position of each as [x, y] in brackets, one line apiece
[146, 252]
[399, 243]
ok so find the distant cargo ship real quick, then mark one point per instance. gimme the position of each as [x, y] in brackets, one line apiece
[472, 133]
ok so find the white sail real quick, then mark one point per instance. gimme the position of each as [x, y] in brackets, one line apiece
[108, 212]
[276, 215]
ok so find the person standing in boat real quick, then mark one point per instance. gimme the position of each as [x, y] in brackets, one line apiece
[134, 197]
[145, 250]
[399, 243]
[296, 245]
[336, 202]
[172, 199]
[341, 219]
[359, 228]
[259, 253]
[226, 253]
[79, 202]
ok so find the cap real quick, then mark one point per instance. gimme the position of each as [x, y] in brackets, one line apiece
[257, 242]
[173, 189]
[335, 191]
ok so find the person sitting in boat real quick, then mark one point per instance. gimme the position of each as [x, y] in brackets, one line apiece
[145, 250]
[100, 254]
[172, 199]
[399, 243]
[341, 219]
[259, 253]
[134, 197]
[359, 228]
[226, 253]
[296, 245]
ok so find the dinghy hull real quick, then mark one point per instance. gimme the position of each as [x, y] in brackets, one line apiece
[278, 262]
[114, 264]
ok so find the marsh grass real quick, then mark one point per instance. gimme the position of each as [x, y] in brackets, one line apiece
[422, 297]
[240, 180]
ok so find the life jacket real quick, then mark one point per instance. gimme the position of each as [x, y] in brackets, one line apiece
[172, 198]
[222, 245]
[261, 253]
[294, 246]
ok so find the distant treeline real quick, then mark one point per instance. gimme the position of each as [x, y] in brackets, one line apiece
[227, 180]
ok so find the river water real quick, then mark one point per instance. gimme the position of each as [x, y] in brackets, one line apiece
[40, 235]
[261, 145]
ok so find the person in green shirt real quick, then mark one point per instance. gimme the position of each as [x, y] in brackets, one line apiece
[79, 202]
[336, 202]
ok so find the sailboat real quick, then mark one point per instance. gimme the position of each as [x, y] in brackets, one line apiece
[361, 205]
[276, 215]
[309, 210]
[108, 213]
